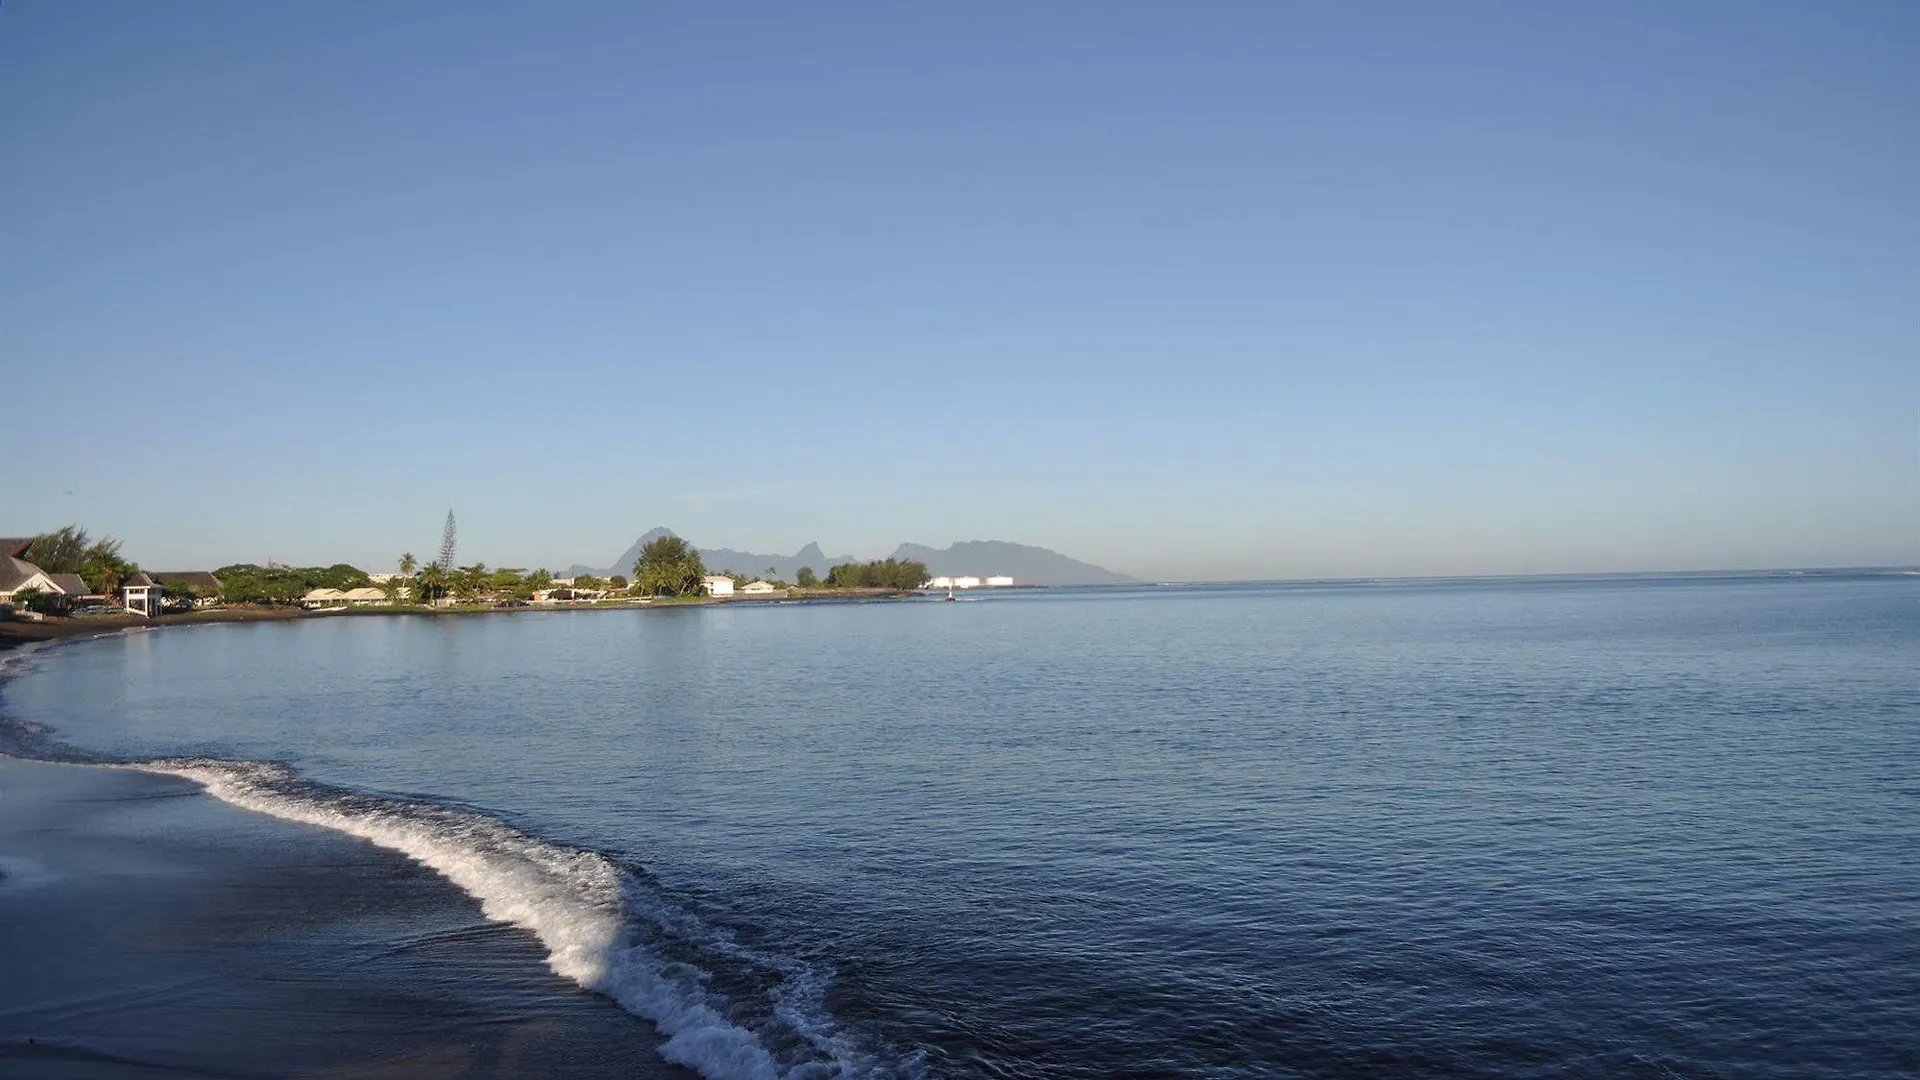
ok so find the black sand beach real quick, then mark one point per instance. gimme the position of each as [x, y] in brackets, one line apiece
[149, 930]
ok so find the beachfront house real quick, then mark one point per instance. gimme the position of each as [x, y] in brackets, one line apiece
[17, 574]
[757, 588]
[717, 585]
[324, 598]
[74, 592]
[141, 596]
[364, 596]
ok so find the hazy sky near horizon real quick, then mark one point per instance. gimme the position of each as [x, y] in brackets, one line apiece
[1219, 290]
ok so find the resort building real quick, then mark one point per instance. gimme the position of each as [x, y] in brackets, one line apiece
[757, 588]
[999, 581]
[717, 585]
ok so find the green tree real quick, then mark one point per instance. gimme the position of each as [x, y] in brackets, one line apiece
[104, 570]
[618, 582]
[179, 594]
[449, 543]
[66, 549]
[408, 564]
[31, 599]
[430, 584]
[668, 566]
[806, 578]
[469, 582]
[69, 550]
[879, 574]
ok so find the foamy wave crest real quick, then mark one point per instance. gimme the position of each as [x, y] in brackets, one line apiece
[593, 919]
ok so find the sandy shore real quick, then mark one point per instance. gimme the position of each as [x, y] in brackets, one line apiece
[147, 929]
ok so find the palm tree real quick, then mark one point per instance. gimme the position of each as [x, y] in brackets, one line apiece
[432, 584]
[407, 564]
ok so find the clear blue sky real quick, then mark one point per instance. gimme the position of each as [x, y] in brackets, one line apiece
[1223, 290]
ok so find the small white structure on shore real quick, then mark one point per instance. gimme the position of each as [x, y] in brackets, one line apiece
[717, 585]
[140, 596]
[320, 598]
[757, 588]
[999, 581]
[966, 583]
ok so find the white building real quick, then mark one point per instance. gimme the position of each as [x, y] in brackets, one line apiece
[140, 596]
[966, 583]
[757, 588]
[717, 585]
[999, 581]
[940, 583]
[17, 574]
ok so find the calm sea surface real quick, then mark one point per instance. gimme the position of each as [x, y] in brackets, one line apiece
[1585, 828]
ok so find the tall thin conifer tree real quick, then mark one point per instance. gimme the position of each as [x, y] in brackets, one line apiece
[449, 542]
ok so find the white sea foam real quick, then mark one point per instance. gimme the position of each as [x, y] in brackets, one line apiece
[590, 916]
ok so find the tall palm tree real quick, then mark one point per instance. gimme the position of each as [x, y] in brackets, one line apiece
[407, 564]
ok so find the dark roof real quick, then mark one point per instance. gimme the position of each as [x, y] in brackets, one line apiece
[16, 546]
[71, 584]
[138, 579]
[193, 579]
[14, 573]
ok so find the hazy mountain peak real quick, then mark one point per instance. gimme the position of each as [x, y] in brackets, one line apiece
[1026, 564]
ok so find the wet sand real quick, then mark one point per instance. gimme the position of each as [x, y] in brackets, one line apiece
[149, 930]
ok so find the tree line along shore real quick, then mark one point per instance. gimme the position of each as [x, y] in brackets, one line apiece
[66, 582]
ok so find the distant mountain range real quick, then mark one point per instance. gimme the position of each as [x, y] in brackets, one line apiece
[1027, 565]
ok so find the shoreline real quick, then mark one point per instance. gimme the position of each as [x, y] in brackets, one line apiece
[16, 633]
[223, 917]
[151, 928]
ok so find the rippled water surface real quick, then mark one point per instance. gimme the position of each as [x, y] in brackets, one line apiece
[1589, 828]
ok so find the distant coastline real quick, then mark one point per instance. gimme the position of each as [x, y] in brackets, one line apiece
[15, 633]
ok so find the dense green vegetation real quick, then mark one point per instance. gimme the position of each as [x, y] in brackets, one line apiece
[668, 566]
[248, 583]
[69, 550]
[878, 574]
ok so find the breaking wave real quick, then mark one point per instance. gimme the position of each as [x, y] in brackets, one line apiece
[603, 928]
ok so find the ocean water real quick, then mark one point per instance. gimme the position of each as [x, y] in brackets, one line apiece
[1538, 828]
